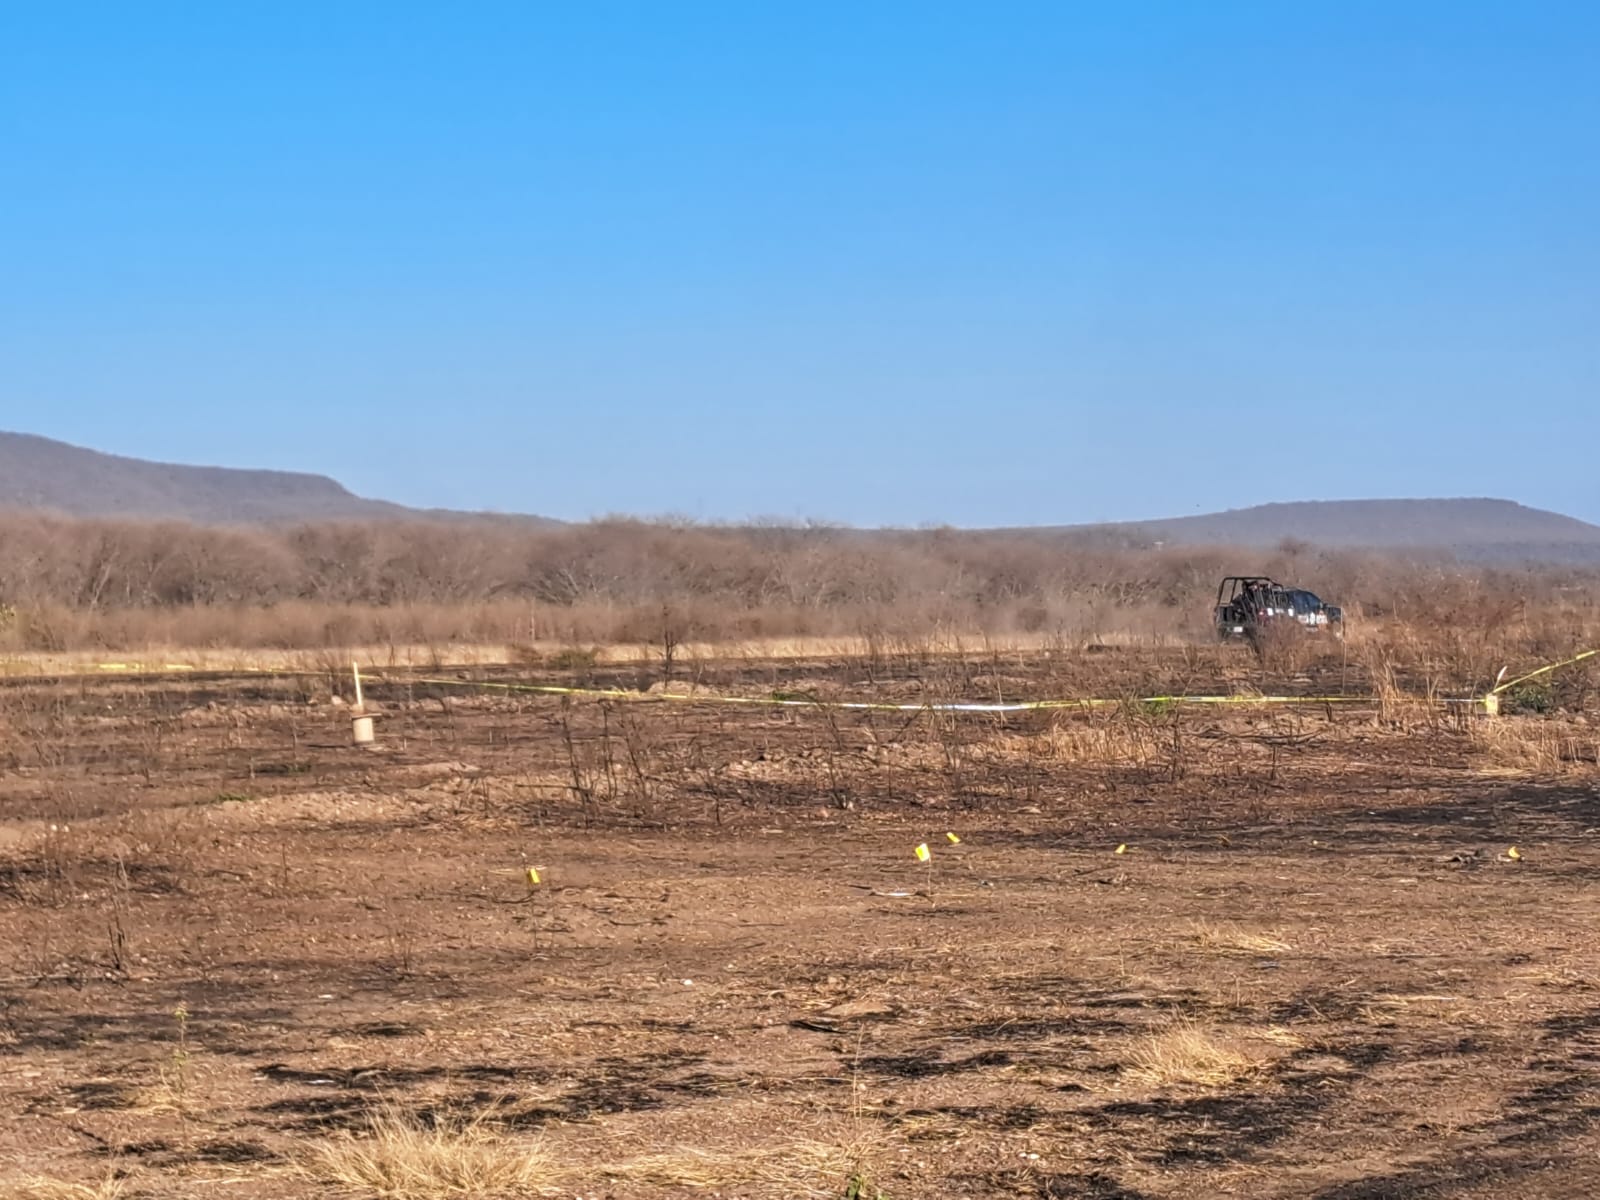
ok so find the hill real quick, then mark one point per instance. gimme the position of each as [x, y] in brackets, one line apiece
[1481, 529]
[40, 473]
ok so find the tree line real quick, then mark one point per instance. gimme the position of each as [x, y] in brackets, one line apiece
[610, 579]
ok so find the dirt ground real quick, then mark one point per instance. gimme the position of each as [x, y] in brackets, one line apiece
[1176, 952]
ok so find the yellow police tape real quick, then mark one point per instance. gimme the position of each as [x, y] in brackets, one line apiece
[1489, 701]
[1577, 658]
[802, 701]
[145, 668]
[791, 701]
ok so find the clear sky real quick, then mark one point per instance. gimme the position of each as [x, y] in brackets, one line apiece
[984, 263]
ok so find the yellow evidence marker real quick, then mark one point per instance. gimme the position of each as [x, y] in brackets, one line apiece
[923, 853]
[954, 840]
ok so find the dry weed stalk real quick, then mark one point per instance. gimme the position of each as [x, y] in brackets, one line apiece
[623, 765]
[117, 922]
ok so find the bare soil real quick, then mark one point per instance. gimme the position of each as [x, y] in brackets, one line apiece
[1175, 952]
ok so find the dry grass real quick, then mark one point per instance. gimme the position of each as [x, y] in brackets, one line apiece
[169, 1095]
[1185, 1055]
[802, 1167]
[1230, 939]
[1113, 739]
[1534, 744]
[111, 1186]
[1278, 1035]
[401, 1158]
[1398, 708]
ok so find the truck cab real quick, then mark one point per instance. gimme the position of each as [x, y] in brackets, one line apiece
[1250, 605]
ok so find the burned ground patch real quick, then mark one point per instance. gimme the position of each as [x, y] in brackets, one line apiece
[734, 969]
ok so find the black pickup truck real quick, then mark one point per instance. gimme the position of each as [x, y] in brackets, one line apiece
[1249, 606]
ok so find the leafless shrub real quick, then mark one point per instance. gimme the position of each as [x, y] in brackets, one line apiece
[613, 768]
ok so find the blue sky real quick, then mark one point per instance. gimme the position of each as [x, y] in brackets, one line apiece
[880, 263]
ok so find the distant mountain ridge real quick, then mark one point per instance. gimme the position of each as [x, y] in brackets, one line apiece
[1477, 528]
[40, 473]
